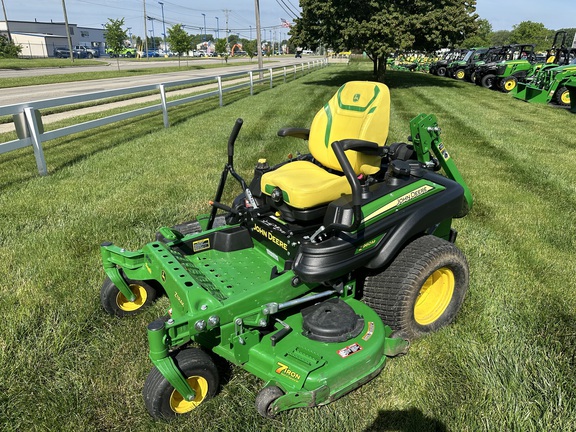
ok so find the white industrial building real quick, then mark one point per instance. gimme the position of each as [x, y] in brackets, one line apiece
[38, 39]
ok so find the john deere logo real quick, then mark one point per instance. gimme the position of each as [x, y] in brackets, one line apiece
[356, 97]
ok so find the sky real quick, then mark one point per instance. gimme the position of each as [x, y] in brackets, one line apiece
[502, 14]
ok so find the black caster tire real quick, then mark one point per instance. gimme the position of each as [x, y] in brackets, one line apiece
[264, 400]
[164, 402]
[422, 290]
[115, 303]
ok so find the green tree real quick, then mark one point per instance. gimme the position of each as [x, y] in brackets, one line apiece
[528, 32]
[221, 48]
[481, 38]
[8, 49]
[180, 42]
[115, 37]
[500, 37]
[250, 48]
[381, 27]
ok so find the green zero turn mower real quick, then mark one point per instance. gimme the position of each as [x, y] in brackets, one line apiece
[322, 267]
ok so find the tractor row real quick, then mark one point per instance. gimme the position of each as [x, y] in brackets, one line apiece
[516, 69]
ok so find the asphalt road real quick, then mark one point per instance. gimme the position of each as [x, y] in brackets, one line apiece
[16, 95]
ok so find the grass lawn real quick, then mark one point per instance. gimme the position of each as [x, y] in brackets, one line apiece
[506, 364]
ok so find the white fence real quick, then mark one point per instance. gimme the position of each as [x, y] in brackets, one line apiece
[30, 130]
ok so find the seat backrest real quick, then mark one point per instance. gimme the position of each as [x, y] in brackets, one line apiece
[358, 110]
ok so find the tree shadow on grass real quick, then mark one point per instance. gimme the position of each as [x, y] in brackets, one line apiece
[393, 79]
[410, 420]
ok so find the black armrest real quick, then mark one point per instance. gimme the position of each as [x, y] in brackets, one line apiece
[295, 132]
[366, 147]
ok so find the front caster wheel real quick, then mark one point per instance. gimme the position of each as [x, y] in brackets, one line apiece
[423, 288]
[163, 401]
[115, 303]
[264, 401]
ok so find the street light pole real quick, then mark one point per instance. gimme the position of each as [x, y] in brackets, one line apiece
[163, 26]
[217, 28]
[130, 35]
[204, 15]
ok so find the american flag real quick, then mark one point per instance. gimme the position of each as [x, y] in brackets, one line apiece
[285, 23]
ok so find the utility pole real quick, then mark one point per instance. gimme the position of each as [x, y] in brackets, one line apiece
[226, 12]
[6, 19]
[217, 28]
[258, 36]
[67, 30]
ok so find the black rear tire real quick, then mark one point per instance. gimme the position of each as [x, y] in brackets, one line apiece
[163, 401]
[422, 290]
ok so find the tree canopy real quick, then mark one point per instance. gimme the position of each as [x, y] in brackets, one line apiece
[115, 37]
[180, 42]
[382, 27]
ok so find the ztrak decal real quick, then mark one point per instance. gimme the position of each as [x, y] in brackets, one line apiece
[369, 244]
[284, 370]
[349, 350]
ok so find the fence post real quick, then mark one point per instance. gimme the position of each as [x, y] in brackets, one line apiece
[294, 71]
[164, 106]
[36, 140]
[270, 71]
[284, 74]
[220, 90]
[251, 83]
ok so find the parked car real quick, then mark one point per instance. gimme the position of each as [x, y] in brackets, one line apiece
[64, 52]
[90, 52]
[126, 52]
[199, 53]
[149, 53]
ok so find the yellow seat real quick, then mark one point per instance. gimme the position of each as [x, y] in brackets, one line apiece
[358, 110]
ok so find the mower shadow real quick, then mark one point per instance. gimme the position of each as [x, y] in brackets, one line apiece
[405, 421]
[393, 79]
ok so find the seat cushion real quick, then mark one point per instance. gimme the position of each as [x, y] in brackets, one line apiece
[305, 185]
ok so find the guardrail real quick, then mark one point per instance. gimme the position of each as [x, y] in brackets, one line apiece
[30, 130]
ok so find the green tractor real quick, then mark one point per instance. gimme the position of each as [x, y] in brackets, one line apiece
[323, 267]
[457, 69]
[516, 59]
[550, 84]
[491, 55]
[440, 67]
[512, 72]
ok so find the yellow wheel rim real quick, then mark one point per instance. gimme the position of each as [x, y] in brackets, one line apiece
[565, 97]
[509, 85]
[460, 74]
[130, 306]
[434, 296]
[181, 406]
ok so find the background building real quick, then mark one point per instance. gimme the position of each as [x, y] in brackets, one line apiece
[38, 39]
